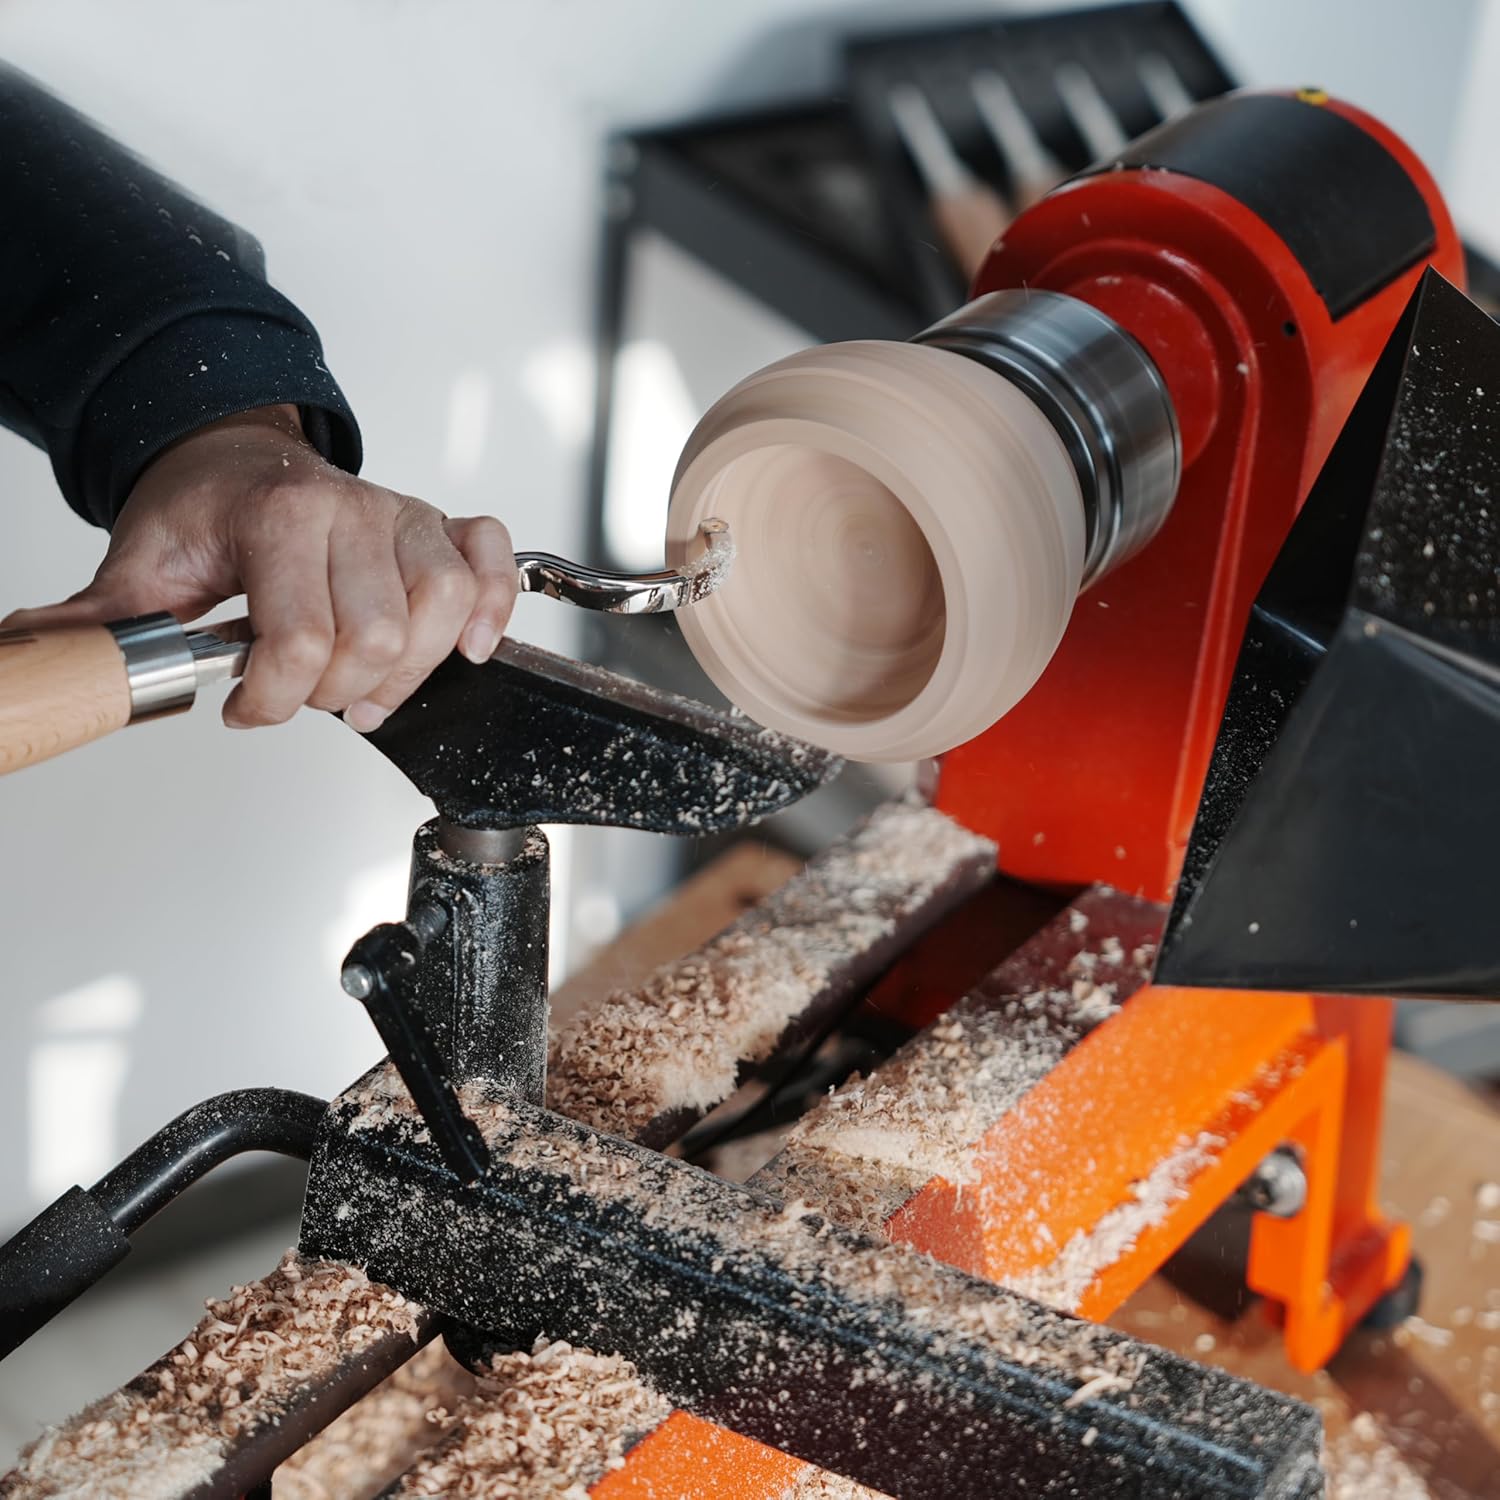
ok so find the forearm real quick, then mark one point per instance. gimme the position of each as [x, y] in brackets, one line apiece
[130, 315]
[186, 406]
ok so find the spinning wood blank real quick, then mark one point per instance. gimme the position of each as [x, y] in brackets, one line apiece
[910, 534]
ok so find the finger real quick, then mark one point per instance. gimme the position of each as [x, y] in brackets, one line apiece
[118, 592]
[369, 612]
[485, 545]
[87, 607]
[440, 593]
[285, 574]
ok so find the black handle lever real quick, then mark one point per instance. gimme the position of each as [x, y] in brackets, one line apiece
[75, 1241]
[378, 972]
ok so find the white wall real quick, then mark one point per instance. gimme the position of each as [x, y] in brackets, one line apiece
[423, 174]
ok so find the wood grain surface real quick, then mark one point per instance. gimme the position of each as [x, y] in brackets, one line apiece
[58, 689]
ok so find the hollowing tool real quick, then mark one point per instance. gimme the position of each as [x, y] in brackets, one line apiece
[1158, 361]
[62, 688]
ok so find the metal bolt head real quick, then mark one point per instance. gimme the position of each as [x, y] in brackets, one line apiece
[358, 981]
[1278, 1186]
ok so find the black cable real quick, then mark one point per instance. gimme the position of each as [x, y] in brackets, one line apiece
[799, 1074]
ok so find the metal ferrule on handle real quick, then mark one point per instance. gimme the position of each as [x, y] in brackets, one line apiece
[165, 665]
[159, 664]
[1103, 394]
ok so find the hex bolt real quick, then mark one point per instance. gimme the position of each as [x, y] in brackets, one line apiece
[1278, 1186]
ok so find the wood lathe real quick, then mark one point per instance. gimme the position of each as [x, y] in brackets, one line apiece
[1028, 544]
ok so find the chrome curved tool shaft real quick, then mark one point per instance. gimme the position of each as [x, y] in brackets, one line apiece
[630, 593]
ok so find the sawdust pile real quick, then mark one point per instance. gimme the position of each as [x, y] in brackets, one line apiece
[676, 1043]
[543, 1426]
[819, 1484]
[240, 1369]
[373, 1443]
[874, 1142]
[1361, 1465]
[1062, 1282]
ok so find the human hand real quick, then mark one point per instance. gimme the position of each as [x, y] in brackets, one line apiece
[355, 592]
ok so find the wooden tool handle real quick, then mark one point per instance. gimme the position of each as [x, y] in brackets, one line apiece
[970, 221]
[58, 689]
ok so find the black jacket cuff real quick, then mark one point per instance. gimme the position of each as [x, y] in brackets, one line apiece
[194, 371]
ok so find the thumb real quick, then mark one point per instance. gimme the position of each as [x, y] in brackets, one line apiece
[115, 594]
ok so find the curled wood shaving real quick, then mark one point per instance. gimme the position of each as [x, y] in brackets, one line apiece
[373, 1443]
[242, 1367]
[677, 1041]
[540, 1426]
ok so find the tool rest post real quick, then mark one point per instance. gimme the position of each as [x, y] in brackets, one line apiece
[482, 987]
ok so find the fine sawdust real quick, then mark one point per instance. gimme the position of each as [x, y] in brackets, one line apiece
[818, 1484]
[241, 1368]
[543, 1426]
[1063, 1282]
[677, 1042]
[1361, 1465]
[381, 1436]
[711, 566]
[874, 1142]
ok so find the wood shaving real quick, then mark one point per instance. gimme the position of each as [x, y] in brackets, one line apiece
[373, 1443]
[711, 566]
[874, 1143]
[818, 1484]
[677, 1042]
[541, 1426]
[1063, 1282]
[243, 1367]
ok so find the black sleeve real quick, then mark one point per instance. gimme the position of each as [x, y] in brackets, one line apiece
[130, 314]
